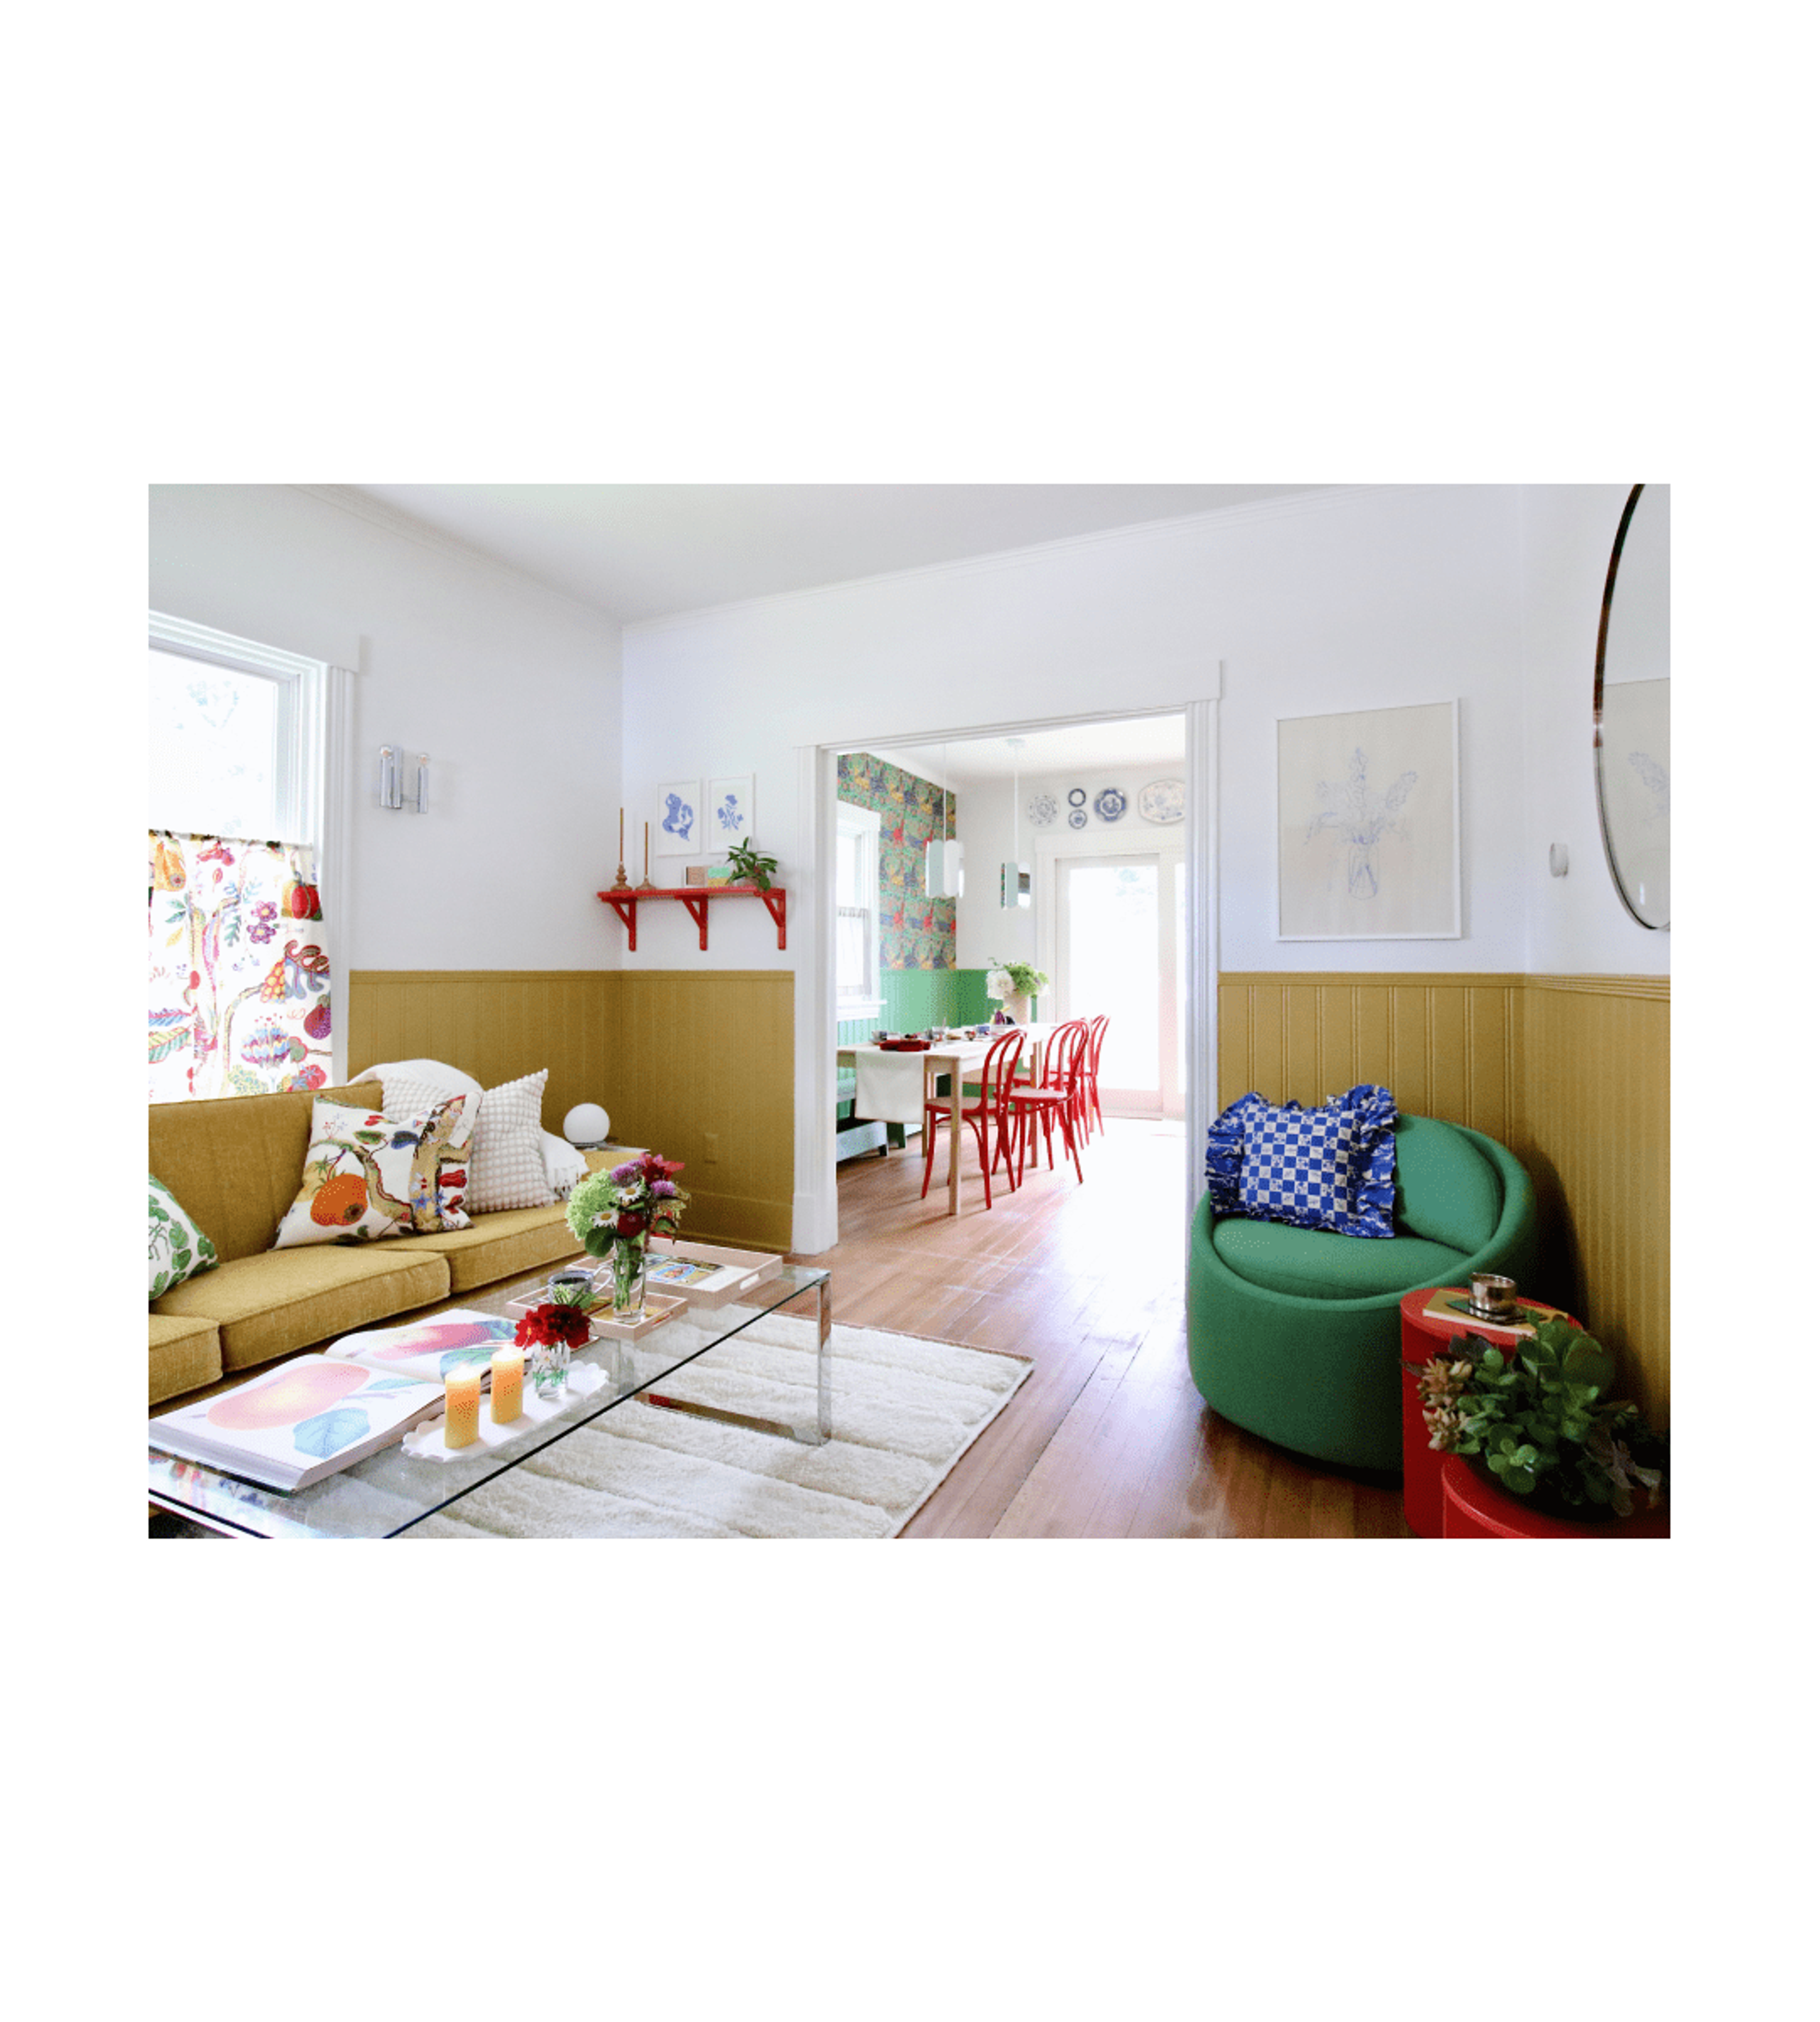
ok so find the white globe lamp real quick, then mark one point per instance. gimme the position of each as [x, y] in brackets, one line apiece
[585, 1124]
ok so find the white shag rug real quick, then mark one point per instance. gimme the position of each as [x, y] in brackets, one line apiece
[904, 1410]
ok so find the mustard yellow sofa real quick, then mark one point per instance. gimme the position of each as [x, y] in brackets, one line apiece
[235, 1164]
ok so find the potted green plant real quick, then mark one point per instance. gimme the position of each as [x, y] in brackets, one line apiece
[1537, 1419]
[744, 866]
[1015, 984]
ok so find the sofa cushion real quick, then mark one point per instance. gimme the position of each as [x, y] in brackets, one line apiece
[175, 1247]
[500, 1246]
[1446, 1189]
[1316, 1264]
[186, 1353]
[507, 1169]
[367, 1176]
[286, 1299]
[233, 1160]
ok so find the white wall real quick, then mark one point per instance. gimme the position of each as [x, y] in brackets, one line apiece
[1578, 926]
[1370, 598]
[514, 690]
[984, 931]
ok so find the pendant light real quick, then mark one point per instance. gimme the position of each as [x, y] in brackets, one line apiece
[1013, 876]
[942, 874]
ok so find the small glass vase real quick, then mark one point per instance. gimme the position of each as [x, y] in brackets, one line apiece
[550, 1369]
[628, 1262]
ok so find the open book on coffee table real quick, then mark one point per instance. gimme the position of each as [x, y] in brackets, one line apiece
[317, 1413]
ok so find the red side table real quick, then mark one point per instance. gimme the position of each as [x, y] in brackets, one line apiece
[1472, 1507]
[1422, 1504]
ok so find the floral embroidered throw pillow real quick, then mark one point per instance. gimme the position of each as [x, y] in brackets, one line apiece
[176, 1248]
[368, 1176]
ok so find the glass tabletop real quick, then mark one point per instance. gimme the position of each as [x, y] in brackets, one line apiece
[392, 1490]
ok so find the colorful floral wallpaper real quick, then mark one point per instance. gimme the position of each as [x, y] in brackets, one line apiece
[915, 930]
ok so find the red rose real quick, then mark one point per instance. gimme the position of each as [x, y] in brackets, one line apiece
[630, 1224]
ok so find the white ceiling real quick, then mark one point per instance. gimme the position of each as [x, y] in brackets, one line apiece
[645, 551]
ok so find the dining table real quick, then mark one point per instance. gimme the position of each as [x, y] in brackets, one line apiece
[893, 1084]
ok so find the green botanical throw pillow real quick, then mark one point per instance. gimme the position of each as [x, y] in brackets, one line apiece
[177, 1249]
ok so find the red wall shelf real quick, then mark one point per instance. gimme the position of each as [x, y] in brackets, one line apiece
[696, 898]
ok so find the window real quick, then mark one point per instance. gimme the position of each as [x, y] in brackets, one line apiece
[248, 744]
[237, 742]
[856, 913]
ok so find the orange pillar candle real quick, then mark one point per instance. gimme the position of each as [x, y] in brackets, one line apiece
[508, 1385]
[461, 1423]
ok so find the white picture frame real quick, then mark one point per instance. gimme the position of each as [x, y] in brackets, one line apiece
[727, 816]
[1367, 825]
[676, 826]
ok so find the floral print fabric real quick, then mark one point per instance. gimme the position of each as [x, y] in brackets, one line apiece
[239, 984]
[176, 1248]
[368, 1176]
[915, 930]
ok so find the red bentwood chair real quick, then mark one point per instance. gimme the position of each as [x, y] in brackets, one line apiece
[988, 1113]
[1056, 1099]
[1096, 1039]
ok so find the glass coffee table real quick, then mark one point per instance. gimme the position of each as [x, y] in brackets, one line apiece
[391, 1490]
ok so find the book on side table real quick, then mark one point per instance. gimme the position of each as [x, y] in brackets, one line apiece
[312, 1416]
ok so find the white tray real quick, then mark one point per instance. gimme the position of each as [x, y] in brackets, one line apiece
[737, 1271]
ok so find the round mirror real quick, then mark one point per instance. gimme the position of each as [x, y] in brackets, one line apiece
[1630, 707]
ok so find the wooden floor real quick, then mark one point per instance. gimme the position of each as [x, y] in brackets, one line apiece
[1108, 1437]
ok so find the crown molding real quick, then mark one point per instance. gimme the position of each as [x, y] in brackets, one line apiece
[362, 506]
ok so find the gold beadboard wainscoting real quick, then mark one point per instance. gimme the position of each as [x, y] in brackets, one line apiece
[1570, 1072]
[697, 1065]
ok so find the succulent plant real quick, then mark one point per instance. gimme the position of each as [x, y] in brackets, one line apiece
[1535, 1416]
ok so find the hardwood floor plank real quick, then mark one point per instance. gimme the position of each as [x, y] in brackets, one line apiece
[1107, 1437]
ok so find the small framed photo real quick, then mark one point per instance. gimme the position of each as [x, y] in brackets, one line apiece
[1367, 825]
[727, 817]
[676, 829]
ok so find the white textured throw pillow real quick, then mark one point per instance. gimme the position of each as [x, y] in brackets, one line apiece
[506, 1164]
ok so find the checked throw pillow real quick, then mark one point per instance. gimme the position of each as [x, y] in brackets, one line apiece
[1329, 1168]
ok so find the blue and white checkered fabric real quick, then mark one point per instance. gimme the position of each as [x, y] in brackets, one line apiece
[1332, 1168]
[1296, 1166]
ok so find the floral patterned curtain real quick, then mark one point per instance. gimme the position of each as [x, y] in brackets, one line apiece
[239, 1000]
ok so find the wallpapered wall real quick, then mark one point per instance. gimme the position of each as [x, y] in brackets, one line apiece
[915, 930]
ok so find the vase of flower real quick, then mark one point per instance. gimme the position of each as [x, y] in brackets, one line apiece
[614, 1214]
[628, 1263]
[552, 1332]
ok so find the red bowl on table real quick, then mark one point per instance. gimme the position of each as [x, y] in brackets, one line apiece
[903, 1045]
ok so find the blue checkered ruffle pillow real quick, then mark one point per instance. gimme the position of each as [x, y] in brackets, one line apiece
[1332, 1168]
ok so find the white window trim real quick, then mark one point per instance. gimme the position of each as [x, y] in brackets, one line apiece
[316, 755]
[850, 820]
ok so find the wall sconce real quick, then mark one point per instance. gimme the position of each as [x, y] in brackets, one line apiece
[391, 783]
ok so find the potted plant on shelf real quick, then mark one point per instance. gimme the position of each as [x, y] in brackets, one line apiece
[1537, 1422]
[744, 866]
[1015, 985]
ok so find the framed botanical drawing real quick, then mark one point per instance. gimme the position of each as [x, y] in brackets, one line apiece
[1367, 825]
[728, 817]
[676, 829]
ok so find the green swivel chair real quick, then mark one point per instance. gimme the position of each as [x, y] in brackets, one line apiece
[1294, 1333]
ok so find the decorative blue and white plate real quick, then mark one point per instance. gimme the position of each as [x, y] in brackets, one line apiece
[1163, 801]
[1077, 797]
[1042, 810]
[1077, 818]
[1110, 805]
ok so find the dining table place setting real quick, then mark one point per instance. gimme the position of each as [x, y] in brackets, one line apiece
[892, 1078]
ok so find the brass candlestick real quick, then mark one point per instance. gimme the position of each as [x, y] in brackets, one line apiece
[621, 882]
[645, 884]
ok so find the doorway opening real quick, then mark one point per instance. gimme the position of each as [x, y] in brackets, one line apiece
[1038, 808]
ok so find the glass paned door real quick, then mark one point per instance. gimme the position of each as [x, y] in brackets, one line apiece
[1119, 924]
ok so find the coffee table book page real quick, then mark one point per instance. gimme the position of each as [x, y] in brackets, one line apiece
[317, 1413]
